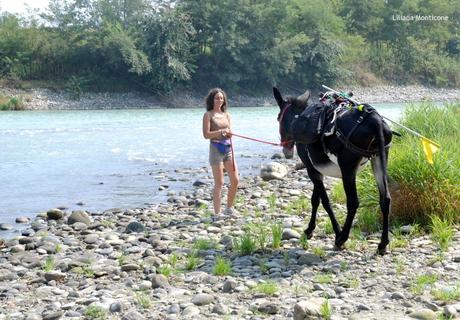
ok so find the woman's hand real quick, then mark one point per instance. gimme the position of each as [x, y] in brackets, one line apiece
[226, 133]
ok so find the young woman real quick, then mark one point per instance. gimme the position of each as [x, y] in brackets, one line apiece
[217, 128]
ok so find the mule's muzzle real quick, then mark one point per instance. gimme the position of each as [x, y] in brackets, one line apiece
[288, 152]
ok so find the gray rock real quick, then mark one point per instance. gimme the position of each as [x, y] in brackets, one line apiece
[273, 170]
[130, 267]
[202, 182]
[53, 315]
[79, 226]
[290, 234]
[135, 227]
[308, 309]
[6, 226]
[423, 314]
[229, 285]
[159, 281]
[398, 296]
[22, 220]
[54, 214]
[174, 309]
[116, 307]
[407, 229]
[309, 259]
[132, 315]
[450, 312]
[277, 155]
[220, 308]
[79, 216]
[190, 312]
[91, 238]
[55, 276]
[456, 256]
[202, 299]
[268, 308]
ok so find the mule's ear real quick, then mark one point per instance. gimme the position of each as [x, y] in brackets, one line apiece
[278, 97]
[303, 99]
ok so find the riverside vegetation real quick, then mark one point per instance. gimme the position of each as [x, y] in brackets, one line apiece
[164, 46]
[172, 260]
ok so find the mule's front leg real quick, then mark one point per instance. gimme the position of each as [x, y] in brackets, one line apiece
[349, 186]
[319, 193]
[314, 208]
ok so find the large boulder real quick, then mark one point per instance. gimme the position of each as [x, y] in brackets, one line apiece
[273, 170]
[79, 216]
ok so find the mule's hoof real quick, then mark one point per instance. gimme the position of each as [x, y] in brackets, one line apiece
[382, 251]
[308, 234]
[339, 247]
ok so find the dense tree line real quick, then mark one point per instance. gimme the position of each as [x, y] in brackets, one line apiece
[241, 45]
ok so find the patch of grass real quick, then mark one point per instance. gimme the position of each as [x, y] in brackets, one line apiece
[108, 224]
[86, 271]
[262, 236]
[277, 232]
[328, 227]
[268, 288]
[421, 282]
[447, 295]
[272, 202]
[165, 269]
[369, 221]
[326, 310]
[442, 232]
[400, 266]
[222, 267]
[143, 300]
[299, 206]
[192, 261]
[319, 251]
[96, 312]
[173, 260]
[49, 264]
[303, 241]
[204, 244]
[263, 266]
[121, 259]
[323, 278]
[353, 282]
[246, 244]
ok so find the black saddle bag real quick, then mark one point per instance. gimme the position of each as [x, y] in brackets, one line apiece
[308, 127]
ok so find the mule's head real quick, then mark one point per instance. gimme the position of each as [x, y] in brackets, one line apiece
[289, 108]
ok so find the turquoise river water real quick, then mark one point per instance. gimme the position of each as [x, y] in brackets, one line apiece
[117, 158]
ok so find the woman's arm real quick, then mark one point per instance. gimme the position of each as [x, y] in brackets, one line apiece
[207, 133]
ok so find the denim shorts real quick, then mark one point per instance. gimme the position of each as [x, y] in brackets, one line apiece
[216, 157]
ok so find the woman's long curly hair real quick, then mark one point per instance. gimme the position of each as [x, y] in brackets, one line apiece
[210, 99]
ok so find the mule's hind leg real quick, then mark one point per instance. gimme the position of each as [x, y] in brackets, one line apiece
[385, 201]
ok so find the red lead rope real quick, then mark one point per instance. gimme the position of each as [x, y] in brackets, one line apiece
[257, 140]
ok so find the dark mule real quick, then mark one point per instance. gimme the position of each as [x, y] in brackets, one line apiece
[359, 135]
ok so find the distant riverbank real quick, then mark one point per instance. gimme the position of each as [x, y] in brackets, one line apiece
[45, 99]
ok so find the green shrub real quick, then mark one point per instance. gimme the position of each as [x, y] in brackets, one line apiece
[11, 103]
[420, 190]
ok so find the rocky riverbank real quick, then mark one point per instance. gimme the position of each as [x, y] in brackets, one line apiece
[45, 99]
[174, 261]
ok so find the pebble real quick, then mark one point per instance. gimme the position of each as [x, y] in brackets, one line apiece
[6, 226]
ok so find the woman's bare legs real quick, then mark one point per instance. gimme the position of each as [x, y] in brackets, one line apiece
[218, 174]
[234, 179]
